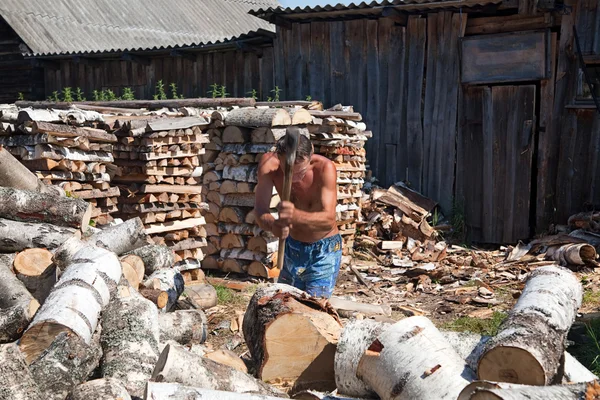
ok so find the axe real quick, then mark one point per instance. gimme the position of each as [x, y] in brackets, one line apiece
[292, 138]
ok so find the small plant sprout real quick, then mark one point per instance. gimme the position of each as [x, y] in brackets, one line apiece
[20, 96]
[214, 91]
[79, 95]
[67, 94]
[160, 91]
[276, 92]
[128, 94]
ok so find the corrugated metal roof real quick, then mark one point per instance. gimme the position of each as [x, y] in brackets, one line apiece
[51, 27]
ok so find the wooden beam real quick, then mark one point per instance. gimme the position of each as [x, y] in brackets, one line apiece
[398, 17]
[185, 55]
[282, 22]
[46, 64]
[248, 48]
[591, 58]
[86, 61]
[136, 59]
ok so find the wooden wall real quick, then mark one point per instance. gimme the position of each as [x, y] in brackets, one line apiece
[239, 71]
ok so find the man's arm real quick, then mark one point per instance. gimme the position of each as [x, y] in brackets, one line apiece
[264, 191]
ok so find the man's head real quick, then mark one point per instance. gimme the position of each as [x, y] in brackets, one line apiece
[304, 153]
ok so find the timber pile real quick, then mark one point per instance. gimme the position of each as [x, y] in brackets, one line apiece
[160, 179]
[66, 149]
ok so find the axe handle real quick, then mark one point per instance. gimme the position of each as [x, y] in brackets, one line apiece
[287, 191]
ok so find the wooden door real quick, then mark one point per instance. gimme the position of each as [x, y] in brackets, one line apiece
[494, 162]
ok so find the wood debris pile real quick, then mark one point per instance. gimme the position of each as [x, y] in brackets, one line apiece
[65, 148]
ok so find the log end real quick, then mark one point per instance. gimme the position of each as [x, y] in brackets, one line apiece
[32, 262]
[39, 337]
[87, 216]
[512, 365]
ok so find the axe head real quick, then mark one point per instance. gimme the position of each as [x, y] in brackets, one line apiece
[292, 138]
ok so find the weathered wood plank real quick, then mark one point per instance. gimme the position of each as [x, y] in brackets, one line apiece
[373, 83]
[488, 166]
[336, 61]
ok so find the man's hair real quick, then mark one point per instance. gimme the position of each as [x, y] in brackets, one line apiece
[304, 151]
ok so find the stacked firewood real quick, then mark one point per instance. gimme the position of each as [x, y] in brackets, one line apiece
[65, 148]
[160, 178]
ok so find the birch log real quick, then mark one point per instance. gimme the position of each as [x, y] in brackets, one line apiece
[35, 269]
[572, 254]
[28, 206]
[257, 117]
[531, 341]
[283, 323]
[101, 389]
[155, 257]
[176, 391]
[17, 236]
[16, 381]
[183, 326]
[17, 306]
[16, 175]
[412, 360]
[227, 357]
[503, 391]
[122, 238]
[177, 365]
[75, 303]
[168, 280]
[314, 395]
[130, 338]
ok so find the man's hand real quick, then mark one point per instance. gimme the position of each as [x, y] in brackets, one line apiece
[282, 226]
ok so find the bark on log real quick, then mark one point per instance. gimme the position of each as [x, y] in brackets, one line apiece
[105, 389]
[203, 296]
[130, 338]
[154, 257]
[283, 323]
[34, 268]
[122, 238]
[17, 382]
[75, 303]
[159, 297]
[531, 341]
[227, 357]
[398, 361]
[314, 395]
[183, 326]
[67, 362]
[17, 306]
[177, 365]
[176, 391]
[348, 307]
[28, 206]
[242, 173]
[263, 245]
[150, 104]
[235, 134]
[300, 116]
[572, 254]
[485, 390]
[16, 175]
[168, 280]
[233, 215]
[257, 117]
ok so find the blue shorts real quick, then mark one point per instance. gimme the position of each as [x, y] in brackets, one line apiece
[312, 267]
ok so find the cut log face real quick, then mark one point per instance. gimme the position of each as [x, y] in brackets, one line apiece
[176, 391]
[130, 275]
[398, 361]
[157, 296]
[177, 365]
[17, 383]
[257, 117]
[227, 357]
[203, 296]
[137, 264]
[283, 323]
[34, 268]
[168, 280]
[531, 341]
[106, 389]
[183, 326]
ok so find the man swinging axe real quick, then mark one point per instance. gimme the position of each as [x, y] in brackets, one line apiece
[307, 222]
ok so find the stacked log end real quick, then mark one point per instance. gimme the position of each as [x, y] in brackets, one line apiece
[160, 178]
[67, 149]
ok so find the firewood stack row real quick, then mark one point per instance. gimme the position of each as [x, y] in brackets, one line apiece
[160, 178]
[65, 148]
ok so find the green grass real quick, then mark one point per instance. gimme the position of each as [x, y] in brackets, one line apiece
[590, 297]
[588, 353]
[487, 327]
[228, 296]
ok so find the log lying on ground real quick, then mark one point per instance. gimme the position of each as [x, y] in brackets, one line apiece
[572, 254]
[176, 391]
[17, 236]
[398, 361]
[202, 296]
[105, 389]
[257, 117]
[150, 104]
[228, 357]
[16, 175]
[314, 395]
[75, 303]
[486, 390]
[28, 206]
[67, 362]
[347, 307]
[130, 338]
[34, 268]
[17, 306]
[17, 382]
[177, 365]
[155, 257]
[531, 341]
[183, 326]
[167, 280]
[283, 323]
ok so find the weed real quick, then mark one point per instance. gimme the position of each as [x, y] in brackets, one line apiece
[174, 94]
[458, 221]
[588, 353]
[214, 91]
[487, 327]
[253, 94]
[67, 94]
[435, 218]
[223, 92]
[228, 296]
[309, 98]
[110, 95]
[276, 92]
[54, 97]
[96, 95]
[79, 95]
[21, 96]
[128, 94]
[160, 91]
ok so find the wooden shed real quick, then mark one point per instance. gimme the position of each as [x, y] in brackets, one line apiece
[482, 105]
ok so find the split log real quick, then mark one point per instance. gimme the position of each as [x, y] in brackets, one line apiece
[174, 225]
[347, 308]
[17, 306]
[17, 382]
[259, 269]
[231, 241]
[300, 116]
[28, 206]
[247, 148]
[283, 323]
[16, 175]
[177, 365]
[35, 269]
[75, 303]
[183, 326]
[235, 134]
[154, 257]
[263, 245]
[407, 352]
[486, 390]
[241, 173]
[234, 266]
[67, 362]
[247, 200]
[227, 357]
[168, 280]
[175, 391]
[256, 117]
[356, 338]
[137, 264]
[130, 338]
[232, 215]
[105, 389]
[268, 135]
[130, 275]
[531, 341]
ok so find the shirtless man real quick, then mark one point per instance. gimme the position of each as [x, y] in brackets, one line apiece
[313, 247]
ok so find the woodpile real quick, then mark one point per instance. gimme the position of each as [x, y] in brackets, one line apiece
[68, 149]
[160, 178]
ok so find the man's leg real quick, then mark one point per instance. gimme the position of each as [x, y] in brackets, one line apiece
[324, 266]
[292, 266]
